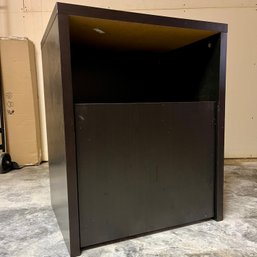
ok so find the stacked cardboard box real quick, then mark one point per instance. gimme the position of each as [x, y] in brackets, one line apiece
[20, 100]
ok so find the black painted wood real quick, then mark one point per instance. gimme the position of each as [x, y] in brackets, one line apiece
[55, 128]
[143, 167]
[77, 10]
[195, 89]
[60, 133]
[220, 117]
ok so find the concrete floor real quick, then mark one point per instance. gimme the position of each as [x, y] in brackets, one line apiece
[28, 227]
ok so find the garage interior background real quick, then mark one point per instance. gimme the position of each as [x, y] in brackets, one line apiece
[28, 18]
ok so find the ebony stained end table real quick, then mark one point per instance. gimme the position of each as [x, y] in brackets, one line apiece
[135, 122]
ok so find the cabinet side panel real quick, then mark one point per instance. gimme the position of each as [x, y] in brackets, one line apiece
[218, 215]
[55, 129]
[69, 127]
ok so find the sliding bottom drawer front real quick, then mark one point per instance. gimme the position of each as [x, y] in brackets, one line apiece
[143, 167]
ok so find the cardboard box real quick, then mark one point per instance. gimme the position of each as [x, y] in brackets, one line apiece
[20, 99]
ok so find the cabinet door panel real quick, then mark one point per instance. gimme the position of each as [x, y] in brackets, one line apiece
[143, 167]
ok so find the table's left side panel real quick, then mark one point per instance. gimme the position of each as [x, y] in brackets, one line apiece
[61, 162]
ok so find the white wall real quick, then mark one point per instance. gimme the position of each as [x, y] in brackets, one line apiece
[29, 18]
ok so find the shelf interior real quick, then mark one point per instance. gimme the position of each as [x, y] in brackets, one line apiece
[114, 61]
[132, 36]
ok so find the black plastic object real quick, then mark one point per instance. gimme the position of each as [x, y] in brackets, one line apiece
[6, 163]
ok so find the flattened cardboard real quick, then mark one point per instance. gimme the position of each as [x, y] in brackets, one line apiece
[20, 98]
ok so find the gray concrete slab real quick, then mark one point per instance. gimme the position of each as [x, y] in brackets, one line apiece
[28, 226]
